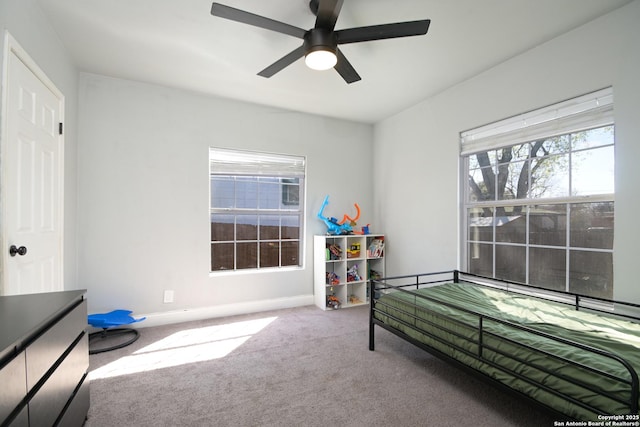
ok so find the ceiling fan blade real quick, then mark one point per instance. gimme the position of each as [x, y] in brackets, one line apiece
[238, 15]
[281, 63]
[384, 31]
[345, 69]
[328, 11]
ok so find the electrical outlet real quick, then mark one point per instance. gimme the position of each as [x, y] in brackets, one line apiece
[168, 297]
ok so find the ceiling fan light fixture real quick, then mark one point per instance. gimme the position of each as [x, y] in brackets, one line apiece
[320, 43]
[321, 59]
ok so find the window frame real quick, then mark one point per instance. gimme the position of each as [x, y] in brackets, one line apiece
[599, 114]
[263, 170]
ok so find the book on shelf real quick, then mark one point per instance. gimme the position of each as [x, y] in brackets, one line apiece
[376, 248]
[333, 252]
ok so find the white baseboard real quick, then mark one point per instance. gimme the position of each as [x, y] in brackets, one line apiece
[202, 313]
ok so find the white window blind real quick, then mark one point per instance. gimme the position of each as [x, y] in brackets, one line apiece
[233, 162]
[584, 112]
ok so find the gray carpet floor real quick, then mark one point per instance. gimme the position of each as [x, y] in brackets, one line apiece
[293, 367]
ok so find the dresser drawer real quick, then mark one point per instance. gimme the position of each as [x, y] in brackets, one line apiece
[13, 385]
[22, 420]
[43, 353]
[51, 398]
[76, 413]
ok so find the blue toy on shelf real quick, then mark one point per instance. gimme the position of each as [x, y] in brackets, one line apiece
[334, 226]
[111, 323]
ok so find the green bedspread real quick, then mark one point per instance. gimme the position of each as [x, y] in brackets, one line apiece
[455, 333]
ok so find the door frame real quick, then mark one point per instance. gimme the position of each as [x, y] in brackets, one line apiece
[11, 46]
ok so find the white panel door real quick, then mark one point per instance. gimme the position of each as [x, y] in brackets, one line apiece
[32, 182]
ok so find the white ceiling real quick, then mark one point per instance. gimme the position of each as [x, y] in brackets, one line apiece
[178, 43]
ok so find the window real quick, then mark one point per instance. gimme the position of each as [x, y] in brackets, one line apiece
[257, 206]
[539, 197]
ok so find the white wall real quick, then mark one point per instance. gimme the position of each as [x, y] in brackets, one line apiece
[143, 195]
[417, 151]
[136, 168]
[27, 24]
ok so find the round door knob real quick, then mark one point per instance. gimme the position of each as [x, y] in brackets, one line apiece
[14, 250]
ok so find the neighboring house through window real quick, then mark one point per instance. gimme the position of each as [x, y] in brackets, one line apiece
[539, 197]
[256, 208]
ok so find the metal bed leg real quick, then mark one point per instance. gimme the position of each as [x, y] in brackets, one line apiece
[371, 325]
[372, 344]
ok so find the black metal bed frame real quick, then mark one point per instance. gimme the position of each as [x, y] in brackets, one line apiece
[384, 285]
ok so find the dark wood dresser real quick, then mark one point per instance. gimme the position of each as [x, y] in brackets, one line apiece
[44, 359]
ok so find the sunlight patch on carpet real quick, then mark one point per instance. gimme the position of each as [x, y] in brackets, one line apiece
[181, 348]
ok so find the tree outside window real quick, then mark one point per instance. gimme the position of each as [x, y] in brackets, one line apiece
[542, 212]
